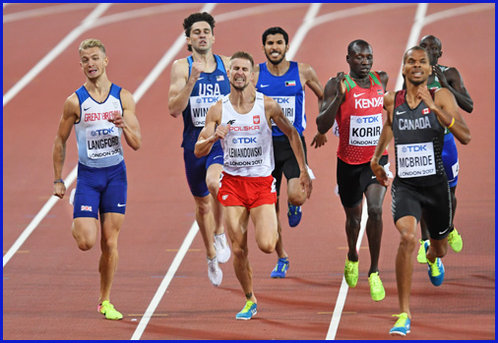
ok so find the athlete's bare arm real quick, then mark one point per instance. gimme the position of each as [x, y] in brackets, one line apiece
[212, 131]
[385, 137]
[452, 80]
[332, 100]
[129, 122]
[274, 112]
[181, 85]
[70, 115]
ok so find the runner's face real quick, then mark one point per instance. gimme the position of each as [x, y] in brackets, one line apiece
[241, 73]
[201, 37]
[433, 48]
[93, 61]
[360, 61]
[275, 48]
[416, 67]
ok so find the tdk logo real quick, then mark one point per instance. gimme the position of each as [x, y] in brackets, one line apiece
[282, 100]
[415, 148]
[367, 120]
[207, 100]
[244, 140]
[103, 132]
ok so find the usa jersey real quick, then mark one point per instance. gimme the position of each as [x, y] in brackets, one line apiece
[99, 140]
[208, 89]
[288, 92]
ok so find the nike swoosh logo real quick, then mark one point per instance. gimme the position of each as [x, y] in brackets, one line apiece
[398, 112]
[263, 86]
[86, 109]
[443, 232]
[200, 78]
[357, 95]
[121, 205]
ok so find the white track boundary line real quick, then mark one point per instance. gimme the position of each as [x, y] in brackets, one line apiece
[343, 291]
[26, 79]
[7, 18]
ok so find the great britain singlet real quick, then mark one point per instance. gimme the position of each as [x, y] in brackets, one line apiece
[418, 143]
[208, 89]
[99, 140]
[359, 120]
[247, 148]
[288, 92]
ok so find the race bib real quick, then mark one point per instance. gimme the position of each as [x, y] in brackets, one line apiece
[416, 160]
[199, 105]
[288, 105]
[365, 130]
[103, 142]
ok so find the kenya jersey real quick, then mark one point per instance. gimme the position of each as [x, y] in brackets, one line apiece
[359, 120]
[248, 147]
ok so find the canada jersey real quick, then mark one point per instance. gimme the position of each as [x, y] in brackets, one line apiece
[288, 92]
[418, 143]
[359, 120]
[247, 147]
[99, 140]
[208, 89]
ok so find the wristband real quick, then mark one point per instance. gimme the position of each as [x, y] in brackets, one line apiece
[452, 123]
[58, 181]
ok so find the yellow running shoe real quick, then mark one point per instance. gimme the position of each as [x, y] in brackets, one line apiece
[107, 309]
[402, 326]
[351, 273]
[377, 291]
[421, 253]
[455, 240]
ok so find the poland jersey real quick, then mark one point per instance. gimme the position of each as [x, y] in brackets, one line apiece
[359, 120]
[208, 89]
[288, 92]
[99, 140]
[418, 143]
[247, 147]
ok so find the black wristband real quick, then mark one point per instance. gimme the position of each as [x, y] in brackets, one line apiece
[58, 181]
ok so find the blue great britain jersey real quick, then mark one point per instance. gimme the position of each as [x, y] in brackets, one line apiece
[99, 140]
[207, 90]
[288, 92]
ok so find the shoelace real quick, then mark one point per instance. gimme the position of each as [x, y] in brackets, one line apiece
[402, 317]
[434, 268]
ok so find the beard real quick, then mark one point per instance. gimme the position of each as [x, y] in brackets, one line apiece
[239, 88]
[268, 57]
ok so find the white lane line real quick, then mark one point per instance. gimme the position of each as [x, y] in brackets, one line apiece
[26, 79]
[303, 30]
[39, 12]
[343, 291]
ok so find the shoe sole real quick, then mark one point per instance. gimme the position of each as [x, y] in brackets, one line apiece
[245, 318]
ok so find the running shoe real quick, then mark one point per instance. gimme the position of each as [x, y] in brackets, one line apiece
[377, 291]
[108, 310]
[222, 249]
[421, 253]
[281, 268]
[294, 213]
[351, 273]
[402, 325]
[214, 272]
[248, 311]
[436, 269]
[455, 240]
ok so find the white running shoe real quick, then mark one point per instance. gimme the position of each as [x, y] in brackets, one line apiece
[222, 249]
[214, 272]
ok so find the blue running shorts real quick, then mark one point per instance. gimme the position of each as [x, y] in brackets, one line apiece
[450, 159]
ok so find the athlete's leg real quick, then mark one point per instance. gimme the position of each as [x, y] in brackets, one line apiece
[295, 192]
[375, 197]
[236, 220]
[85, 231]
[353, 217]
[265, 227]
[213, 183]
[279, 247]
[407, 227]
[205, 220]
[111, 224]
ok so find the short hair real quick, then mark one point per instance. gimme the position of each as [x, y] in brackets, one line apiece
[91, 43]
[357, 42]
[273, 31]
[194, 18]
[437, 40]
[414, 48]
[244, 55]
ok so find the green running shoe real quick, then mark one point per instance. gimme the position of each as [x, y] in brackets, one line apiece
[107, 309]
[351, 273]
[377, 291]
[455, 240]
[421, 253]
[402, 326]
[248, 311]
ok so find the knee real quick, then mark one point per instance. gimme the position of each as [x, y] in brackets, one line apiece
[84, 245]
[203, 207]
[353, 221]
[239, 252]
[267, 246]
[297, 199]
[213, 186]
[375, 213]
[408, 241]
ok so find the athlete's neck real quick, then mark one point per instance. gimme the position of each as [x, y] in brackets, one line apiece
[278, 69]
[207, 59]
[99, 87]
[411, 93]
[242, 100]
